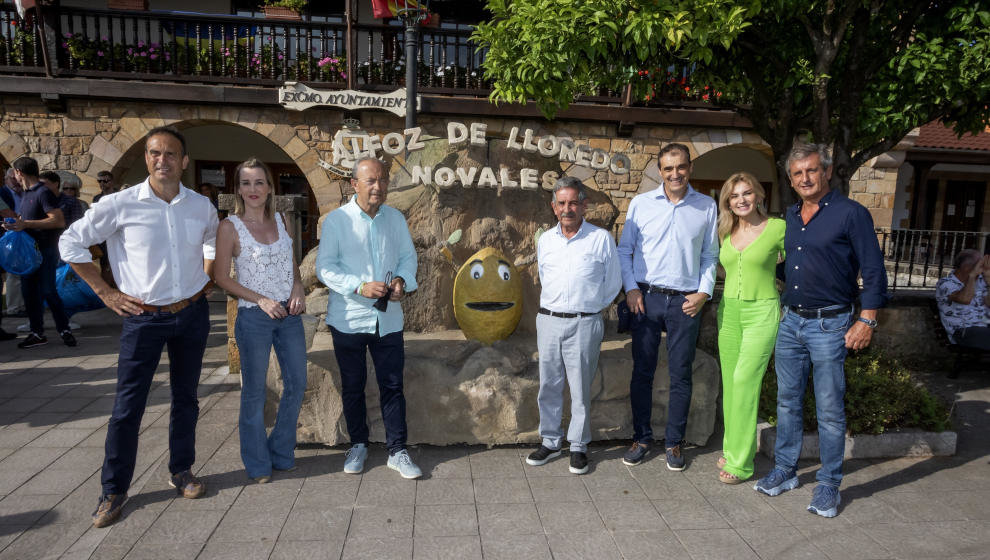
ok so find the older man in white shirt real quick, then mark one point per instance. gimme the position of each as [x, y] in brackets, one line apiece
[580, 276]
[161, 240]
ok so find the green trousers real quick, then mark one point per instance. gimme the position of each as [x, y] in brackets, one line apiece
[747, 330]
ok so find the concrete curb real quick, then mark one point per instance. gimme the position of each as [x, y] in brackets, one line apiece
[904, 443]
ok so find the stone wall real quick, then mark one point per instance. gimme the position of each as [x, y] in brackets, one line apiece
[460, 391]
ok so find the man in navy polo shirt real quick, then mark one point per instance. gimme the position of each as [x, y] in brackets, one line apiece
[829, 242]
[42, 219]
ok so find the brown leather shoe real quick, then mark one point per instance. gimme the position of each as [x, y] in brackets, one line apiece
[187, 485]
[109, 509]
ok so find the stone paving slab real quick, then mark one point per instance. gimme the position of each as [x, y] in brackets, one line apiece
[473, 502]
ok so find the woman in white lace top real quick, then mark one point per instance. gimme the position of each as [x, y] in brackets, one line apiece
[271, 298]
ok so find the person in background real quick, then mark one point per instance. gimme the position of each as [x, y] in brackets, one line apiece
[105, 180]
[270, 299]
[43, 220]
[963, 304]
[5, 213]
[72, 187]
[11, 194]
[69, 205]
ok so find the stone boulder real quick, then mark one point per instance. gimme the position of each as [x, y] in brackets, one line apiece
[307, 270]
[460, 391]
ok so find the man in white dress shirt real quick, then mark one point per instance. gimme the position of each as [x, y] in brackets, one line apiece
[580, 276]
[161, 240]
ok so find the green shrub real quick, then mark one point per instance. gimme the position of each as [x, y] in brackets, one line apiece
[880, 395]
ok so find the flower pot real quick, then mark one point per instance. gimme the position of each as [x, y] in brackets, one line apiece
[279, 12]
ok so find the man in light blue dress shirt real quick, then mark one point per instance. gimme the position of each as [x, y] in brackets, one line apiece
[368, 261]
[668, 252]
[579, 275]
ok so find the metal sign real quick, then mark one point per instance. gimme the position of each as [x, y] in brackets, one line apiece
[298, 97]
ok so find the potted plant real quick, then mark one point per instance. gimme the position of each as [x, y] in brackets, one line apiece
[284, 9]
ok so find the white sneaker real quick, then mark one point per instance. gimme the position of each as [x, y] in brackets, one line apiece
[402, 463]
[26, 327]
[354, 463]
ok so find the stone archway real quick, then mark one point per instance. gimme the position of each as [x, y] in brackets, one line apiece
[715, 166]
[118, 152]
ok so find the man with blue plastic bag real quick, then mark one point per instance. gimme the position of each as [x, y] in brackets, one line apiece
[41, 219]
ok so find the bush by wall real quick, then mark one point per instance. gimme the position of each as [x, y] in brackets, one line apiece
[880, 395]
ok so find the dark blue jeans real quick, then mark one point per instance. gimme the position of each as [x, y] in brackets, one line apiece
[663, 313]
[141, 341]
[39, 288]
[388, 355]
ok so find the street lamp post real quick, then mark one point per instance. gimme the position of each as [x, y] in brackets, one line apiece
[411, 16]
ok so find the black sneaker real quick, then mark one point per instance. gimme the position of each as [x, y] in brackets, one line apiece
[635, 454]
[675, 461]
[541, 456]
[4, 335]
[33, 340]
[67, 338]
[579, 462]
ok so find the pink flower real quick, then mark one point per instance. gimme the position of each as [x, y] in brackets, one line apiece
[99, 53]
[280, 57]
[68, 35]
[140, 44]
[130, 51]
[343, 74]
[104, 38]
[154, 56]
[65, 45]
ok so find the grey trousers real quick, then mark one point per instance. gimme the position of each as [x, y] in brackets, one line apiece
[15, 301]
[569, 350]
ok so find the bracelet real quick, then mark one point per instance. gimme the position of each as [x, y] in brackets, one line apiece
[360, 290]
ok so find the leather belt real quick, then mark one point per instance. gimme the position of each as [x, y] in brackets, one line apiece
[819, 313]
[545, 311]
[179, 305]
[649, 289]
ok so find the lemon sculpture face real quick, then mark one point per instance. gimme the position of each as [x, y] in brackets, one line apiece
[487, 296]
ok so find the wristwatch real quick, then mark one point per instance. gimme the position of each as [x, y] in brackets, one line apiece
[872, 323]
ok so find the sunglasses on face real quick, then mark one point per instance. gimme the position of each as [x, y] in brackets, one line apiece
[103, 180]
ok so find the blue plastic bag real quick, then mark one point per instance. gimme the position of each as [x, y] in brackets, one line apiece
[76, 294]
[19, 253]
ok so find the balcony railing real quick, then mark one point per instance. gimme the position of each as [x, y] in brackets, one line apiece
[917, 258]
[211, 48]
[242, 50]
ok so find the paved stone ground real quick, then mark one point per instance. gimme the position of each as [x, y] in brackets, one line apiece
[473, 502]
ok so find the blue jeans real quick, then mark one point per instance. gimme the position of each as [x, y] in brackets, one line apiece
[663, 313]
[803, 344]
[38, 288]
[388, 354]
[256, 333]
[141, 341]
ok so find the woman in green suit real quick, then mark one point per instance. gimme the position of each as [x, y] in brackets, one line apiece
[748, 314]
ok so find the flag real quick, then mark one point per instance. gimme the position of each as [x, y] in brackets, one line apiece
[390, 9]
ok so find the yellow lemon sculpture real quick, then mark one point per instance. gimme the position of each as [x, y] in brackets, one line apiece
[487, 296]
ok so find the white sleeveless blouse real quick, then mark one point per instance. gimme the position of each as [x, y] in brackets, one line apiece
[264, 269]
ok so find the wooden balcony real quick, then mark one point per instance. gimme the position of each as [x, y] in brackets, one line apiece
[178, 47]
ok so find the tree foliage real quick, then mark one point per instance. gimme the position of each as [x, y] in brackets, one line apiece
[858, 75]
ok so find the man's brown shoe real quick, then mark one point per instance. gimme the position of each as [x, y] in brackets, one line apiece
[187, 485]
[109, 509]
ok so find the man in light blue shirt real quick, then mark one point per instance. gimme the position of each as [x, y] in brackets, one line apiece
[668, 253]
[579, 276]
[368, 261]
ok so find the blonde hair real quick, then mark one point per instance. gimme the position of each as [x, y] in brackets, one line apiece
[727, 220]
[254, 163]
